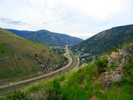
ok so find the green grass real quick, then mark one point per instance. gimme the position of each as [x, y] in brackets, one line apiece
[20, 58]
[117, 92]
[80, 84]
[113, 65]
[39, 45]
[76, 85]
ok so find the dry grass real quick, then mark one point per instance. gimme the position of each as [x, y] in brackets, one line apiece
[20, 58]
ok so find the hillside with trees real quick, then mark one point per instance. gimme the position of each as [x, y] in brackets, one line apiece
[106, 41]
[47, 38]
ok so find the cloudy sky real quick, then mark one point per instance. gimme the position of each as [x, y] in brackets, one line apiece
[80, 18]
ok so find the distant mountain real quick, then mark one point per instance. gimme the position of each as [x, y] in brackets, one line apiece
[20, 58]
[47, 38]
[106, 40]
[19, 33]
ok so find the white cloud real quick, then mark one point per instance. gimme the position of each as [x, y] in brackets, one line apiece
[96, 8]
[67, 16]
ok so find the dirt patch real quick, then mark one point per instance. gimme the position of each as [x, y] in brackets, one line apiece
[93, 97]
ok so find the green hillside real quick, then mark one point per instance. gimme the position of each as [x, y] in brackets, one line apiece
[91, 82]
[21, 59]
[106, 41]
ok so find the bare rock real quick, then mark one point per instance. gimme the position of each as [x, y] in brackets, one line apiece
[117, 78]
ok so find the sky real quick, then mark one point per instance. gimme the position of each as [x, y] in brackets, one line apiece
[79, 18]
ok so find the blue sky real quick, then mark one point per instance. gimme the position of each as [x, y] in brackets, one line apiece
[80, 18]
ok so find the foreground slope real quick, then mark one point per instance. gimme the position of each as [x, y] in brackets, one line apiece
[20, 58]
[85, 83]
[106, 40]
[47, 38]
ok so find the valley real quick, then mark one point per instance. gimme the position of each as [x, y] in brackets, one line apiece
[21, 59]
[66, 49]
[99, 68]
[73, 63]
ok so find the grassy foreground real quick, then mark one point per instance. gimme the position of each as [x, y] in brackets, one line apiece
[81, 84]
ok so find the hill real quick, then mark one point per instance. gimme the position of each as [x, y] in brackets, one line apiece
[106, 40]
[21, 59]
[47, 38]
[99, 80]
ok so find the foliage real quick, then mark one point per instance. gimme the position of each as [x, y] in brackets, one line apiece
[128, 68]
[76, 85]
[128, 71]
[113, 65]
[101, 63]
[117, 93]
[18, 95]
[54, 92]
[82, 84]
[106, 41]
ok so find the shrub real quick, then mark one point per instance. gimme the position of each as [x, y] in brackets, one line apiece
[113, 65]
[2, 51]
[18, 95]
[101, 63]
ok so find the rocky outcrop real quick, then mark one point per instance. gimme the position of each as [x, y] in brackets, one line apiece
[114, 75]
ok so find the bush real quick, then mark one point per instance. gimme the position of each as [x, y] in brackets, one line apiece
[113, 65]
[101, 63]
[2, 51]
[53, 91]
[128, 71]
[17, 96]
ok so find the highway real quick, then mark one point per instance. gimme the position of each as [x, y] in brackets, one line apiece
[73, 63]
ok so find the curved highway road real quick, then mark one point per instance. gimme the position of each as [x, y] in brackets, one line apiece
[73, 63]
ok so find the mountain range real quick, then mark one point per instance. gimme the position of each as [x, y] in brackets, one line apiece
[47, 38]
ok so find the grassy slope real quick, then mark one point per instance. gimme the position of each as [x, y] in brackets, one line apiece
[82, 84]
[21, 58]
